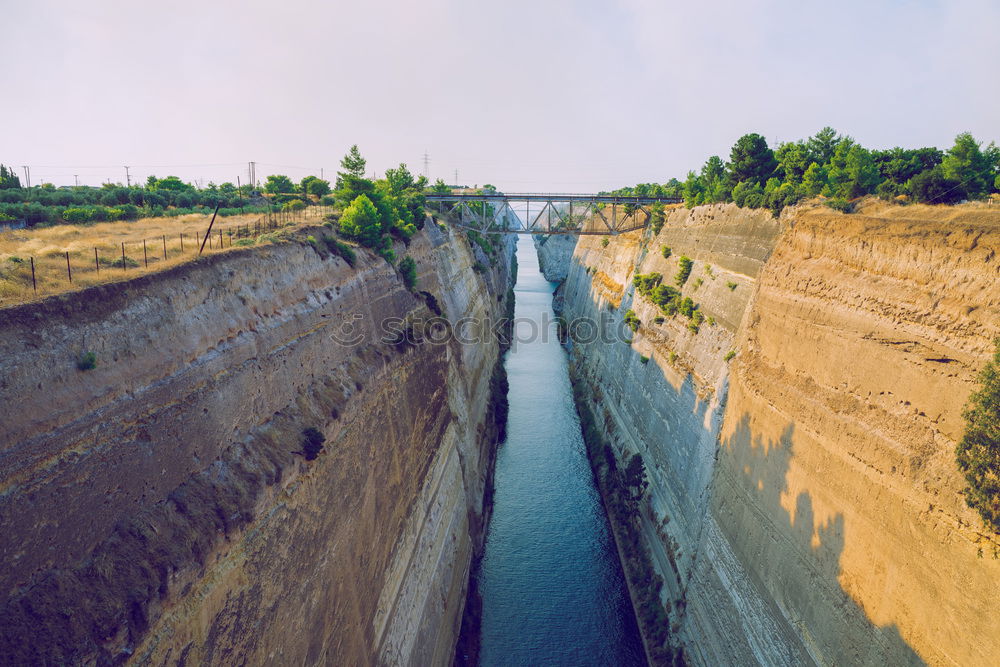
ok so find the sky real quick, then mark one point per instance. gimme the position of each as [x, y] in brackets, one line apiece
[540, 96]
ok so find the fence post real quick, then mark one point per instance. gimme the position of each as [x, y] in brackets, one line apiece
[208, 232]
[124, 266]
[34, 285]
[97, 262]
[145, 257]
[69, 271]
[182, 243]
[221, 244]
[164, 246]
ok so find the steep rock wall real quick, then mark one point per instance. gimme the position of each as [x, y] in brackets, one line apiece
[555, 254]
[804, 501]
[157, 509]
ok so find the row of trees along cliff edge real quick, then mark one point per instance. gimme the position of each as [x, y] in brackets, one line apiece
[836, 167]
[47, 204]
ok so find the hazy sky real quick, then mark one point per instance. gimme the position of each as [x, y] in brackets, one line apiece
[541, 95]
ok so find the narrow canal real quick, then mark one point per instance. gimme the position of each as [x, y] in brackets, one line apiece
[552, 587]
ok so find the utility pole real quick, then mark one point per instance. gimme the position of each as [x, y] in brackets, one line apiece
[456, 178]
[27, 175]
[427, 160]
[128, 178]
[76, 177]
[321, 173]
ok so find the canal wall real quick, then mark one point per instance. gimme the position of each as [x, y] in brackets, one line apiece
[803, 503]
[159, 509]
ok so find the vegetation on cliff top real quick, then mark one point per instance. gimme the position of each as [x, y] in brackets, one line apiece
[978, 452]
[376, 210]
[837, 167]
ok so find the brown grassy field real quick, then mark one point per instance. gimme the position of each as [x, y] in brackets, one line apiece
[163, 238]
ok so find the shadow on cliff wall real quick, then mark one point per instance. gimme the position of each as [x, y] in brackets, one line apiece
[806, 587]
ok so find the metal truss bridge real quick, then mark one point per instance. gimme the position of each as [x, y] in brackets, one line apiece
[501, 213]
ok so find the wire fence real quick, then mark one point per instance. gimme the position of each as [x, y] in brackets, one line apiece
[83, 263]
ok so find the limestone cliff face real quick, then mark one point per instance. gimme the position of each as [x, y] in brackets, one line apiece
[158, 509]
[555, 254]
[804, 502]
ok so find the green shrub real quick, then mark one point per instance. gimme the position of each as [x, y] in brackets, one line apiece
[632, 320]
[482, 241]
[978, 453]
[729, 355]
[659, 319]
[708, 271]
[665, 251]
[129, 262]
[87, 361]
[672, 356]
[293, 205]
[312, 443]
[77, 215]
[684, 271]
[643, 359]
[711, 321]
[408, 269]
[605, 242]
[698, 283]
[341, 249]
[15, 259]
[731, 285]
[645, 282]
[245, 242]
[312, 241]
[839, 204]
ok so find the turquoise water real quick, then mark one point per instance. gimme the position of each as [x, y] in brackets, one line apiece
[552, 588]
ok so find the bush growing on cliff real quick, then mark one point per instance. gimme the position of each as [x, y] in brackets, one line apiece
[665, 251]
[684, 271]
[632, 320]
[978, 452]
[408, 270]
[312, 443]
[87, 361]
[341, 249]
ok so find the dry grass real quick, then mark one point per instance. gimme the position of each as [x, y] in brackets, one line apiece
[163, 239]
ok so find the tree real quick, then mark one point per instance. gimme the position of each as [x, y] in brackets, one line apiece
[8, 179]
[978, 453]
[353, 163]
[714, 179]
[694, 190]
[361, 221]
[171, 183]
[311, 185]
[822, 145]
[968, 165]
[793, 160]
[400, 180]
[751, 160]
[814, 180]
[278, 184]
[933, 187]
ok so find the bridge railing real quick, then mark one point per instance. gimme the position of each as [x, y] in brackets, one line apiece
[495, 213]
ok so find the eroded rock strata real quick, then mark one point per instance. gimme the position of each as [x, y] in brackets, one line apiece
[804, 503]
[158, 509]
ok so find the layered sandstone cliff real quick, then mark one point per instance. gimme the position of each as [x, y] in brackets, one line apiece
[157, 509]
[804, 503]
